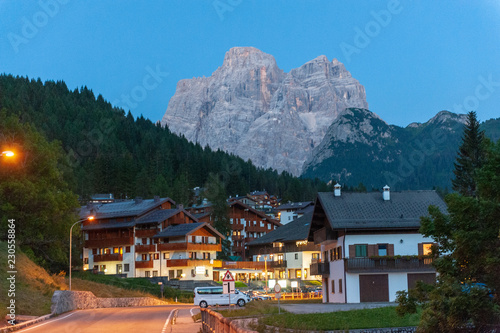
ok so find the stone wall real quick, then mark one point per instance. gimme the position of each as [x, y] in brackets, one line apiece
[65, 300]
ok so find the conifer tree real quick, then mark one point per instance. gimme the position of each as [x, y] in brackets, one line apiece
[471, 156]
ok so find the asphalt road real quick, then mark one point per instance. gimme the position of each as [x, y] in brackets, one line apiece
[154, 319]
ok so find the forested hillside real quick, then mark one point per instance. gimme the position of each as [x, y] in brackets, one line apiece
[111, 152]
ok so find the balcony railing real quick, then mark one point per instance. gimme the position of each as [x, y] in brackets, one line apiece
[108, 257]
[192, 263]
[256, 228]
[144, 264]
[320, 268]
[189, 247]
[237, 226]
[108, 242]
[145, 248]
[276, 264]
[359, 265]
[146, 233]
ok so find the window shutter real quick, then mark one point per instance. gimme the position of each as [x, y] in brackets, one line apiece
[352, 251]
[420, 249]
[390, 250]
[372, 250]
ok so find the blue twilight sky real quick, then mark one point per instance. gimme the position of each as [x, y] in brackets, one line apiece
[414, 58]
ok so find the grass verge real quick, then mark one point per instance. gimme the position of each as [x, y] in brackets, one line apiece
[237, 284]
[254, 308]
[137, 284]
[344, 320]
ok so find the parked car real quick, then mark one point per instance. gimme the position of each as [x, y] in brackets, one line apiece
[261, 297]
[205, 296]
[467, 288]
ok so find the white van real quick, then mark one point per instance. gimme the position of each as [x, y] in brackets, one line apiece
[205, 296]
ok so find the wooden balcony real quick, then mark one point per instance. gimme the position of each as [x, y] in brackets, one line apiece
[243, 264]
[146, 233]
[361, 265]
[257, 229]
[144, 264]
[193, 263]
[145, 248]
[189, 247]
[237, 226]
[108, 257]
[237, 237]
[276, 264]
[108, 242]
[320, 268]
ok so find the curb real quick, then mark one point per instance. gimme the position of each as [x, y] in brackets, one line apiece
[25, 324]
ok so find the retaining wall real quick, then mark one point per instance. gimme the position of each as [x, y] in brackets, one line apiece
[65, 300]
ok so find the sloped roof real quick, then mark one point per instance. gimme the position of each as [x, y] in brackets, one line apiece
[298, 229]
[185, 229]
[123, 208]
[161, 215]
[369, 210]
[295, 205]
[114, 225]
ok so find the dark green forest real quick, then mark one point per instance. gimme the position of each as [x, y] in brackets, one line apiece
[108, 151]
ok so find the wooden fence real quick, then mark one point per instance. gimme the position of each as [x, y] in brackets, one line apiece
[214, 322]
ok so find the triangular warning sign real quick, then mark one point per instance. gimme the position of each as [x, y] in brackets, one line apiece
[228, 277]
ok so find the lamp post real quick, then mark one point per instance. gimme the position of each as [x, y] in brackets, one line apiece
[89, 218]
[265, 265]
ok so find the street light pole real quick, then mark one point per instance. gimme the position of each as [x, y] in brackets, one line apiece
[90, 218]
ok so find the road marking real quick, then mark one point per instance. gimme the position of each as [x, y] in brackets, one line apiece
[164, 330]
[48, 322]
[191, 311]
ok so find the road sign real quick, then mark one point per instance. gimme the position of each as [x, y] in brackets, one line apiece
[277, 288]
[228, 287]
[228, 277]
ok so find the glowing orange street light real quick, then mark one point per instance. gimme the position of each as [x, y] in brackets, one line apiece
[7, 153]
[88, 218]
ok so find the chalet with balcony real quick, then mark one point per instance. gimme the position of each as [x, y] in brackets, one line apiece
[288, 251]
[247, 224]
[121, 238]
[189, 250]
[371, 245]
[290, 211]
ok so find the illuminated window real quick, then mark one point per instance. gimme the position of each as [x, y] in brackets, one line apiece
[298, 273]
[427, 249]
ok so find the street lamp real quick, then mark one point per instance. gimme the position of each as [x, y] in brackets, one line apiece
[7, 153]
[265, 265]
[89, 218]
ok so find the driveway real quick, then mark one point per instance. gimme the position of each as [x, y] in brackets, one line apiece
[332, 307]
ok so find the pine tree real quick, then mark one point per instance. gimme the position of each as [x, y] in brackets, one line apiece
[471, 157]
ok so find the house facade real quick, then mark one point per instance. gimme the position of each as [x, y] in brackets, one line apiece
[246, 223]
[371, 245]
[122, 239]
[292, 210]
[287, 251]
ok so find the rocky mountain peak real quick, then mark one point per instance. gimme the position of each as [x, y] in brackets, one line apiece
[247, 57]
[253, 109]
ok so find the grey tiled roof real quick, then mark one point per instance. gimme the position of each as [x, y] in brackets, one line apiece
[298, 229]
[369, 210]
[179, 230]
[108, 225]
[161, 215]
[122, 208]
[295, 205]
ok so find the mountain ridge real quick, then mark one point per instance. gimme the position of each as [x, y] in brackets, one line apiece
[252, 108]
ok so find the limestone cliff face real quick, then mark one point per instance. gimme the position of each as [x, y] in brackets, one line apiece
[251, 108]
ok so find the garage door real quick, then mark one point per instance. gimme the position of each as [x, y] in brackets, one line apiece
[374, 288]
[429, 278]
